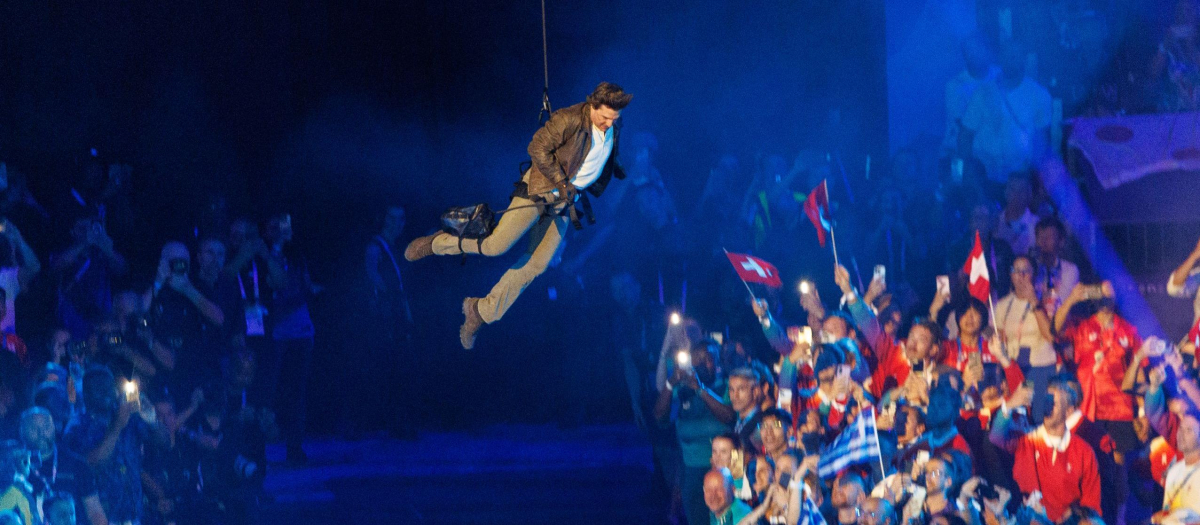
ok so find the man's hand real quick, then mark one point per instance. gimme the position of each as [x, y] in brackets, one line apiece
[939, 302]
[875, 289]
[809, 464]
[972, 374]
[124, 412]
[1107, 290]
[811, 301]
[686, 377]
[968, 489]
[842, 277]
[998, 506]
[856, 391]
[996, 346]
[916, 390]
[760, 308]
[1022, 397]
[885, 420]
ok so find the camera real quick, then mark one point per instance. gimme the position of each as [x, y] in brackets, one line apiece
[985, 491]
[179, 266]
[77, 348]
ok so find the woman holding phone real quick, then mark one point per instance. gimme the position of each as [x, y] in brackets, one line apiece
[1024, 333]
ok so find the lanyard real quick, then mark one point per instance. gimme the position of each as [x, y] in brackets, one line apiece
[1167, 502]
[254, 276]
[962, 354]
[1021, 326]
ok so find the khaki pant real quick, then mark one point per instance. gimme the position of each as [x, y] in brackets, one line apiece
[544, 243]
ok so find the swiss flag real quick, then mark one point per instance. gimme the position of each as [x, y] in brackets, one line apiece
[754, 270]
[816, 206]
[977, 271]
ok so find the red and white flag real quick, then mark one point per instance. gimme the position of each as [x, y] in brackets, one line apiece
[816, 207]
[754, 270]
[979, 282]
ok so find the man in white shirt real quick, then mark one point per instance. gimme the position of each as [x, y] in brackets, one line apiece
[1056, 277]
[1016, 224]
[1181, 494]
[961, 89]
[1010, 119]
[575, 150]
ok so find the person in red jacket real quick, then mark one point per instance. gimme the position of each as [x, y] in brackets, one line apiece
[1104, 348]
[1050, 461]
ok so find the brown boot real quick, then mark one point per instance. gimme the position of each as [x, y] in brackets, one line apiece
[419, 248]
[470, 327]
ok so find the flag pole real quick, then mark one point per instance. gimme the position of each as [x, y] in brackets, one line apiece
[991, 304]
[878, 446]
[744, 283]
[832, 236]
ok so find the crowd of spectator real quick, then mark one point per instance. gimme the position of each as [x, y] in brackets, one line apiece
[1040, 404]
[152, 389]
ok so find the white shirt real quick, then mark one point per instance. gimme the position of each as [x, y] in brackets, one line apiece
[1180, 497]
[1019, 233]
[959, 92]
[1005, 125]
[1056, 444]
[1068, 277]
[593, 164]
[1016, 319]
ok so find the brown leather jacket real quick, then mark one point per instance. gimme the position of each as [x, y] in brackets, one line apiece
[558, 149]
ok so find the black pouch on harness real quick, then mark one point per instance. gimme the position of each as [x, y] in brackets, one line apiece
[469, 222]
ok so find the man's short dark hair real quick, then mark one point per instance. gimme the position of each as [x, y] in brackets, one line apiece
[745, 372]
[709, 345]
[779, 414]
[1068, 385]
[1051, 222]
[850, 476]
[609, 94]
[934, 330]
[733, 439]
[845, 317]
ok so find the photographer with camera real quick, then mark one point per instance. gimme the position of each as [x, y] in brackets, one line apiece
[187, 322]
[110, 436]
[221, 289]
[85, 271]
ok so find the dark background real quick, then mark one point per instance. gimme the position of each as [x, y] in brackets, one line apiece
[332, 109]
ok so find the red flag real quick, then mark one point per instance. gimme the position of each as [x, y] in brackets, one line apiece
[977, 271]
[754, 270]
[816, 206]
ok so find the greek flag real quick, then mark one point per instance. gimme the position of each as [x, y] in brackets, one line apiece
[810, 514]
[858, 443]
